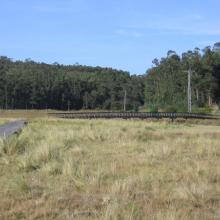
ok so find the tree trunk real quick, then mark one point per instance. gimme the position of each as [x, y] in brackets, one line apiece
[210, 101]
[197, 94]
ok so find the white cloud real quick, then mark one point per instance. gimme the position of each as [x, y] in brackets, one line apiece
[193, 24]
[188, 29]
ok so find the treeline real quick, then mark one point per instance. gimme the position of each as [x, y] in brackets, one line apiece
[32, 85]
[166, 82]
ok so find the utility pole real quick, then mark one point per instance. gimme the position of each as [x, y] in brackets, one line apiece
[125, 100]
[189, 90]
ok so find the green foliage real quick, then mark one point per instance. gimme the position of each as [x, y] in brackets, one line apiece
[204, 110]
[31, 85]
[171, 109]
[166, 82]
[135, 108]
[153, 108]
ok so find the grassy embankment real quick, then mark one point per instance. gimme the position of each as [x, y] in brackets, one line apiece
[21, 114]
[113, 169]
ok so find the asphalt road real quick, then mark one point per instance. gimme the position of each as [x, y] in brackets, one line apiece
[11, 127]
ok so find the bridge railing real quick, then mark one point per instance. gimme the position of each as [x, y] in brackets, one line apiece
[127, 115]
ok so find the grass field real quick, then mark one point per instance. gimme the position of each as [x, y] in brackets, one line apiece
[28, 114]
[110, 169]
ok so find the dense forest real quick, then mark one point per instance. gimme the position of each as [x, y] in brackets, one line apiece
[166, 82]
[31, 85]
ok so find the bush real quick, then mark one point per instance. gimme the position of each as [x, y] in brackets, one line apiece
[171, 109]
[204, 110]
[154, 108]
[136, 108]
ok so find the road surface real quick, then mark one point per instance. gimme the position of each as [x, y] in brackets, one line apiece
[11, 128]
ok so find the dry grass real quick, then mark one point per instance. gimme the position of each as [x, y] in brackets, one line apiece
[110, 169]
[32, 114]
[21, 114]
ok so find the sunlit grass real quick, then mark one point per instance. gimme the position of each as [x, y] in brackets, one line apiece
[110, 169]
[3, 121]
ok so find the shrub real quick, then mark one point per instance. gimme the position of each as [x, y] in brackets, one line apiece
[154, 108]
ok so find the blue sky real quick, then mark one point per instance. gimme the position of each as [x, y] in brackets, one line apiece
[123, 34]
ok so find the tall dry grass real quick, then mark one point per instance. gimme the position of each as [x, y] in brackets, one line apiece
[110, 169]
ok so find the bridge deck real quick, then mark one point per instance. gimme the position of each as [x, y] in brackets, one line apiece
[128, 115]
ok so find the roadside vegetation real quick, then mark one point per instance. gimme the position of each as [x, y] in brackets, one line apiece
[110, 169]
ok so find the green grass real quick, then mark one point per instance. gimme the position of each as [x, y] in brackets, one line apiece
[110, 169]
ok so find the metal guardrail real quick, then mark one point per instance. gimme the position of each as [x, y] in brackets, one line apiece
[128, 115]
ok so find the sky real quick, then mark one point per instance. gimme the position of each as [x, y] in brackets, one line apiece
[122, 34]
